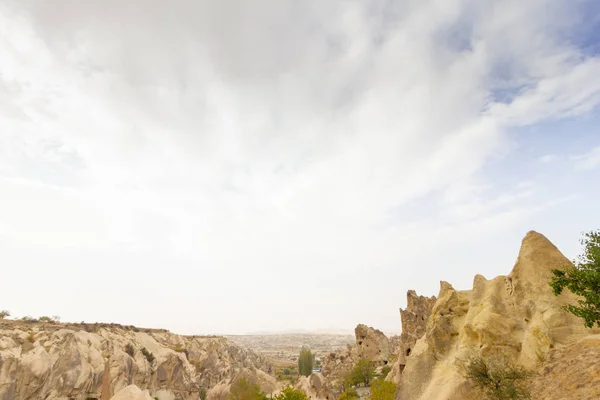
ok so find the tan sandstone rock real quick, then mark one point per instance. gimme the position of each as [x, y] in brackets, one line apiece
[132, 392]
[514, 317]
[371, 344]
[62, 361]
[414, 322]
[266, 382]
[315, 387]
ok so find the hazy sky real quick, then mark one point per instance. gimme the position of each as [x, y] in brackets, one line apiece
[234, 166]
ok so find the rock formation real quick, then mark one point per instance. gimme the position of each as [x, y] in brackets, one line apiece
[414, 322]
[266, 382]
[59, 361]
[315, 387]
[132, 392]
[371, 344]
[516, 318]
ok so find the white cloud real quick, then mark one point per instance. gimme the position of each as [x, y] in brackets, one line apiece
[589, 160]
[272, 141]
[548, 158]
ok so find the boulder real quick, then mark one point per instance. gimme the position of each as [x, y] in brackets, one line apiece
[132, 392]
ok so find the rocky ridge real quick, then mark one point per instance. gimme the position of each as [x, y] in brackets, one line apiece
[515, 318]
[66, 362]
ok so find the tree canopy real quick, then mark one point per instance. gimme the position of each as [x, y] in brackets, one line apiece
[305, 362]
[583, 279]
[382, 390]
[362, 372]
[289, 393]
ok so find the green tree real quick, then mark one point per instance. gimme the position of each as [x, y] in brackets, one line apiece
[498, 380]
[385, 371]
[583, 279]
[289, 393]
[382, 390]
[305, 362]
[362, 372]
[243, 389]
[349, 394]
[4, 314]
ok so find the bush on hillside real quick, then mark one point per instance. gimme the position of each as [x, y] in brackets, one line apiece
[242, 389]
[498, 380]
[149, 356]
[385, 371]
[382, 390]
[4, 314]
[362, 373]
[129, 349]
[583, 279]
[289, 393]
[349, 394]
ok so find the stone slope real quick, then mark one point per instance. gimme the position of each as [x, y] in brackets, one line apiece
[514, 317]
[58, 361]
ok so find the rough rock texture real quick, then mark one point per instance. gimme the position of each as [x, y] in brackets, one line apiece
[371, 344]
[570, 372]
[267, 383]
[56, 361]
[132, 392]
[315, 387]
[514, 317]
[414, 322]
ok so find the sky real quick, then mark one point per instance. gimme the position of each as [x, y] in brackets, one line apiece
[276, 165]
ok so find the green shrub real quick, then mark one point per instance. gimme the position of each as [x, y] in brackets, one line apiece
[382, 390]
[242, 389]
[149, 356]
[498, 380]
[289, 393]
[129, 349]
[385, 371]
[4, 314]
[362, 373]
[349, 394]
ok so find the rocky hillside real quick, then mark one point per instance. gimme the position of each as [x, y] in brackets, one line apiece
[515, 318]
[85, 362]
[370, 344]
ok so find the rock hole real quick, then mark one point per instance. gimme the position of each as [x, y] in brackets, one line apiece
[360, 343]
[408, 352]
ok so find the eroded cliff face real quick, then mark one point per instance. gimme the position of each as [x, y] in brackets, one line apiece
[53, 361]
[514, 317]
[414, 322]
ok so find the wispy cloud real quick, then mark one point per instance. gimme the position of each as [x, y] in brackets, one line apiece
[589, 160]
[253, 138]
